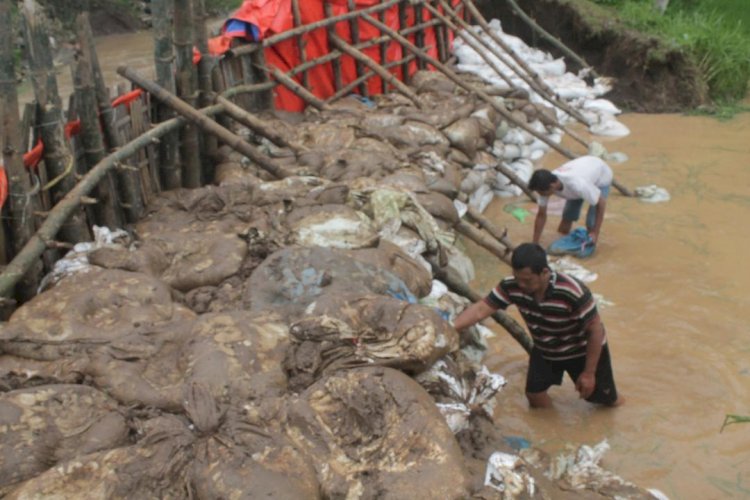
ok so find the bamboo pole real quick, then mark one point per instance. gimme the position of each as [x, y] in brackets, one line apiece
[458, 286]
[106, 210]
[58, 159]
[510, 174]
[273, 40]
[354, 30]
[67, 207]
[22, 204]
[338, 81]
[169, 172]
[301, 44]
[440, 34]
[551, 39]
[383, 49]
[490, 227]
[346, 89]
[301, 91]
[128, 187]
[402, 25]
[419, 36]
[457, 80]
[205, 84]
[255, 124]
[106, 113]
[204, 123]
[186, 87]
[377, 68]
[543, 92]
[481, 239]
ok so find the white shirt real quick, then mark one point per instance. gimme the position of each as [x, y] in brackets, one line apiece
[581, 178]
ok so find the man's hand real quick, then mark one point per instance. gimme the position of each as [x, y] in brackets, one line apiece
[585, 384]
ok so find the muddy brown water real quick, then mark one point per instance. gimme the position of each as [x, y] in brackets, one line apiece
[677, 276]
[678, 330]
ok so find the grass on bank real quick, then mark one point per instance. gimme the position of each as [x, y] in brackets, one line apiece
[715, 32]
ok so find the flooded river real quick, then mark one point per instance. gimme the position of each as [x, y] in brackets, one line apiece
[678, 329]
[677, 275]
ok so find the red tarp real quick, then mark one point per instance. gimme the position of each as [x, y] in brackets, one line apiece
[272, 17]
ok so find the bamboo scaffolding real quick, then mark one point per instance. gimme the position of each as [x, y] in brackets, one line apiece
[298, 89]
[383, 50]
[458, 286]
[543, 92]
[490, 227]
[377, 68]
[58, 159]
[301, 43]
[22, 203]
[169, 172]
[419, 35]
[186, 88]
[205, 123]
[402, 25]
[440, 33]
[348, 88]
[255, 124]
[510, 174]
[106, 210]
[457, 80]
[551, 39]
[273, 40]
[70, 204]
[338, 81]
[205, 83]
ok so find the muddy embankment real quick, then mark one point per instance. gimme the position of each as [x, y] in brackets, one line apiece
[649, 75]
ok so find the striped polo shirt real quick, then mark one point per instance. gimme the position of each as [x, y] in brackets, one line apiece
[558, 323]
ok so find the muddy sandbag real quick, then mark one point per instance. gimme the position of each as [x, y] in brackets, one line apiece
[198, 257]
[290, 279]
[238, 355]
[23, 373]
[234, 172]
[465, 135]
[432, 81]
[375, 433]
[244, 462]
[325, 136]
[340, 332]
[366, 157]
[286, 190]
[54, 423]
[389, 256]
[381, 120]
[154, 468]
[336, 226]
[414, 134]
[86, 310]
[439, 205]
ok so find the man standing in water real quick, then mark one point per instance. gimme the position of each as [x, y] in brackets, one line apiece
[587, 178]
[562, 318]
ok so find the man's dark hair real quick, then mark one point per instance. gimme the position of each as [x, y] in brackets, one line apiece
[541, 180]
[529, 255]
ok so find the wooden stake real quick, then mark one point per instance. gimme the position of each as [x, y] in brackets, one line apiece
[169, 172]
[186, 89]
[209, 145]
[58, 159]
[22, 204]
[301, 44]
[354, 30]
[205, 123]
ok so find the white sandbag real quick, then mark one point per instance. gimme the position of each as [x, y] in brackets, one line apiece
[602, 106]
[652, 194]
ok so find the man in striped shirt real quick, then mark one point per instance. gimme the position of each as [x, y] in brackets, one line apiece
[561, 316]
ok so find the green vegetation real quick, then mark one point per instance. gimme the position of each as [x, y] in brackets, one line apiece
[716, 33]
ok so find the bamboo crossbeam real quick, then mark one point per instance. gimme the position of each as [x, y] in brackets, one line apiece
[33, 249]
[298, 89]
[510, 174]
[546, 95]
[490, 227]
[348, 88]
[205, 123]
[458, 81]
[377, 68]
[481, 239]
[273, 40]
[458, 286]
[255, 124]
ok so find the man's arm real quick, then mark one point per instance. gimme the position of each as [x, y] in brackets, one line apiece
[587, 380]
[539, 222]
[473, 314]
[600, 208]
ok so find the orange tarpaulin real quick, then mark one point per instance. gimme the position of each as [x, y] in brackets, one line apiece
[270, 17]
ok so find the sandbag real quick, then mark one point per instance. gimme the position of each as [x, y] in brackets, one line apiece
[341, 331]
[375, 433]
[336, 226]
[86, 310]
[49, 424]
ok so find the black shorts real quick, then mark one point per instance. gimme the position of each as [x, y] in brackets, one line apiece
[544, 373]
